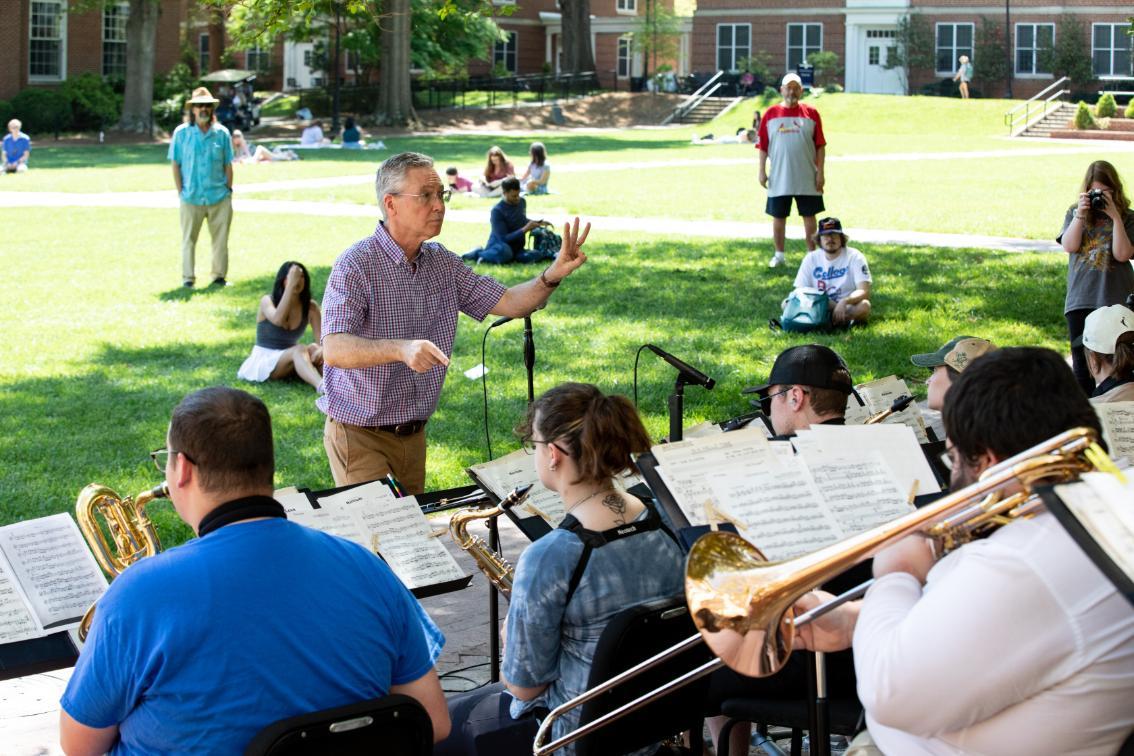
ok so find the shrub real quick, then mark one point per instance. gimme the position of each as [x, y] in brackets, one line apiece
[827, 68]
[1129, 108]
[1106, 107]
[179, 81]
[93, 102]
[1083, 117]
[7, 114]
[42, 110]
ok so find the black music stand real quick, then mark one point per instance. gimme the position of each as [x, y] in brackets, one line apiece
[37, 655]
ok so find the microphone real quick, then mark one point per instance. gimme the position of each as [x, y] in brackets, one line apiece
[689, 373]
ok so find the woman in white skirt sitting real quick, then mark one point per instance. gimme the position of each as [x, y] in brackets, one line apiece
[283, 317]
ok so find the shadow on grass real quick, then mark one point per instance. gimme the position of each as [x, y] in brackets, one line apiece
[99, 156]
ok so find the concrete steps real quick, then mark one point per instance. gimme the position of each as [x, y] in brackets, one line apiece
[1056, 120]
[707, 110]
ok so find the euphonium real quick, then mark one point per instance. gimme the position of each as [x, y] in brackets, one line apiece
[498, 570]
[130, 529]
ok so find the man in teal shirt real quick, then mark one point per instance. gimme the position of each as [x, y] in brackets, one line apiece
[201, 153]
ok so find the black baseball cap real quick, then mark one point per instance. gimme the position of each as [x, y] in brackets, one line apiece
[830, 226]
[807, 365]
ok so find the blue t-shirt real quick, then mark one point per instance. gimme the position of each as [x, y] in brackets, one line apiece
[202, 158]
[550, 641]
[14, 147]
[198, 648]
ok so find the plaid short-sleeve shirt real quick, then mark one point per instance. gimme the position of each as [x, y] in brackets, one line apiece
[376, 293]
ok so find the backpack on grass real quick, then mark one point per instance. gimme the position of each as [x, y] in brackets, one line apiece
[545, 242]
[805, 310]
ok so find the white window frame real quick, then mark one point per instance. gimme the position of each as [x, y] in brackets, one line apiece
[1117, 33]
[121, 10]
[956, 50]
[626, 7]
[804, 49]
[203, 46]
[733, 47]
[258, 50]
[503, 2]
[501, 50]
[1035, 50]
[624, 56]
[61, 5]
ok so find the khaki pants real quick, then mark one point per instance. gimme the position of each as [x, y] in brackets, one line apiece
[220, 218]
[359, 455]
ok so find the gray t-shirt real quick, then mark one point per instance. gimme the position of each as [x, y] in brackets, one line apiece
[1094, 278]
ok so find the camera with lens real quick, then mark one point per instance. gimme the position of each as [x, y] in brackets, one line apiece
[1097, 199]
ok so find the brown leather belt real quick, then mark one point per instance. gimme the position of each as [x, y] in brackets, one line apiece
[402, 429]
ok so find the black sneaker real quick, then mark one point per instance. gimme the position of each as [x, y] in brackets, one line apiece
[220, 281]
[187, 284]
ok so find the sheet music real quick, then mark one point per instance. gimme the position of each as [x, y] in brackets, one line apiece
[54, 568]
[518, 469]
[896, 444]
[1105, 507]
[700, 430]
[394, 527]
[16, 621]
[879, 395]
[860, 492]
[686, 467]
[781, 509]
[1118, 428]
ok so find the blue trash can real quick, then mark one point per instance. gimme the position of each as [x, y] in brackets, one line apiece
[806, 73]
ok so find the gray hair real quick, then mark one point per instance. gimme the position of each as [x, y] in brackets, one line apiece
[392, 174]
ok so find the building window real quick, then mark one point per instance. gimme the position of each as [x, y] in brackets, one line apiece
[504, 52]
[114, 39]
[953, 41]
[627, 6]
[624, 51]
[802, 40]
[203, 53]
[874, 57]
[1111, 50]
[259, 58]
[734, 44]
[1033, 46]
[46, 40]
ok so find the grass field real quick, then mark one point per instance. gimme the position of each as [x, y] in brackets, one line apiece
[102, 341]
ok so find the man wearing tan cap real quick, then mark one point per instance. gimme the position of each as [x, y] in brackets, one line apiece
[201, 154]
[947, 363]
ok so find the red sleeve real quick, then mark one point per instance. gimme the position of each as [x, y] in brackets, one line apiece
[762, 136]
[820, 140]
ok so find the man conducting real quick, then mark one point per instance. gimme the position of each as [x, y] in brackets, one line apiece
[201, 154]
[808, 385]
[510, 226]
[389, 319]
[1012, 644]
[792, 134]
[258, 619]
[947, 363]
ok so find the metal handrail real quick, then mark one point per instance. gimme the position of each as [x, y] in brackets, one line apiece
[1011, 117]
[695, 99]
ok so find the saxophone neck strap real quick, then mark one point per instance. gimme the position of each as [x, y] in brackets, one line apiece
[239, 510]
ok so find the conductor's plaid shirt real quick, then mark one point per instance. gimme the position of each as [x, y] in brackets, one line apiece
[376, 293]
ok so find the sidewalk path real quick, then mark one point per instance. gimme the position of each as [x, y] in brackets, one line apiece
[167, 200]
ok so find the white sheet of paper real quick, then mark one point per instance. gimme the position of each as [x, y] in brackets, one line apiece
[1118, 428]
[16, 620]
[54, 567]
[1105, 507]
[879, 395]
[896, 443]
[861, 491]
[517, 469]
[700, 430]
[476, 371]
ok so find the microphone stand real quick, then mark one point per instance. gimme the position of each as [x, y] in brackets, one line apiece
[676, 408]
[529, 357]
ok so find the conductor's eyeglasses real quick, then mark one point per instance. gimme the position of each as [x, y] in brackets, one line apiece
[427, 198]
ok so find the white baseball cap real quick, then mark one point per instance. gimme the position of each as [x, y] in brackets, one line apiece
[1104, 326]
[790, 78]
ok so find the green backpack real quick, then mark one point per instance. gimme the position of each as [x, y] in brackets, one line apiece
[806, 310]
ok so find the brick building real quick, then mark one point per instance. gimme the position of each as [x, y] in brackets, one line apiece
[862, 32]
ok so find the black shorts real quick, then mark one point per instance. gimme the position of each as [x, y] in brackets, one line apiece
[807, 205]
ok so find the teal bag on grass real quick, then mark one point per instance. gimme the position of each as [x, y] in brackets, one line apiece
[806, 310]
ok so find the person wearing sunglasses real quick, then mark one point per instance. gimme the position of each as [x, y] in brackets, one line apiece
[201, 154]
[808, 385]
[390, 311]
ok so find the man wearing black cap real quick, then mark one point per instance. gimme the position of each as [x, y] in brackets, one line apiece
[838, 270]
[809, 385]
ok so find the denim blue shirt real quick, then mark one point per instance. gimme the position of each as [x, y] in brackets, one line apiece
[202, 158]
[549, 642]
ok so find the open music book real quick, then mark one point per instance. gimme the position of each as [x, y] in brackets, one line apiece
[394, 528]
[48, 577]
[789, 503]
[1118, 428]
[878, 396]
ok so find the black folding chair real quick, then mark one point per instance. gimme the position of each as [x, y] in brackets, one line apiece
[393, 725]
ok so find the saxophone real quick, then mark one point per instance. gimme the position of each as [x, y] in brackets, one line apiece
[495, 567]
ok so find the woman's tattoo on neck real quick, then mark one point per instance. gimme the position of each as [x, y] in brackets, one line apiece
[615, 504]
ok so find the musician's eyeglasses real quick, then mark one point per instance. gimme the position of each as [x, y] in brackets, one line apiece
[766, 402]
[427, 198]
[161, 457]
[529, 445]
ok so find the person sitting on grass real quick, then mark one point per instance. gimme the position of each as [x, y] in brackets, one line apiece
[352, 135]
[456, 181]
[498, 168]
[535, 178]
[283, 317]
[313, 136]
[838, 270]
[510, 225]
[17, 148]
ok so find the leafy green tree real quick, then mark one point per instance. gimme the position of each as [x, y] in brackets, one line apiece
[1071, 56]
[991, 65]
[827, 68]
[656, 34]
[913, 49]
[141, 44]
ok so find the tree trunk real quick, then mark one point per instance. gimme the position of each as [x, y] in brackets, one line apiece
[395, 100]
[578, 56]
[216, 40]
[141, 39]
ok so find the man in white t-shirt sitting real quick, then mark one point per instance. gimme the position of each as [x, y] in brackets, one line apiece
[838, 270]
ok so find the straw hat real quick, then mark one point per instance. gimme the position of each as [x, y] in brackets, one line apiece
[201, 96]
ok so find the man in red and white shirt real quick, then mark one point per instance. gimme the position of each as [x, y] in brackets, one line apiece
[792, 134]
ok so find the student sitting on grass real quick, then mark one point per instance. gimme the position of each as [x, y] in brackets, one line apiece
[456, 181]
[352, 135]
[498, 168]
[17, 147]
[838, 270]
[510, 226]
[535, 178]
[281, 321]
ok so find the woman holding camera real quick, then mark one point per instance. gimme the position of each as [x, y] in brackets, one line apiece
[1097, 234]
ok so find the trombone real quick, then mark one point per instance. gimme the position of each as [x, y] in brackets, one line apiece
[742, 604]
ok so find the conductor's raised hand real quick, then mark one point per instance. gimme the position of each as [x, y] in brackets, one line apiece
[571, 254]
[422, 355]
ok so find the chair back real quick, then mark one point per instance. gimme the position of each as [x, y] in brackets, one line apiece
[393, 725]
[632, 636]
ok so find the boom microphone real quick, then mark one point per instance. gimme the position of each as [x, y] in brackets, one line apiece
[689, 373]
